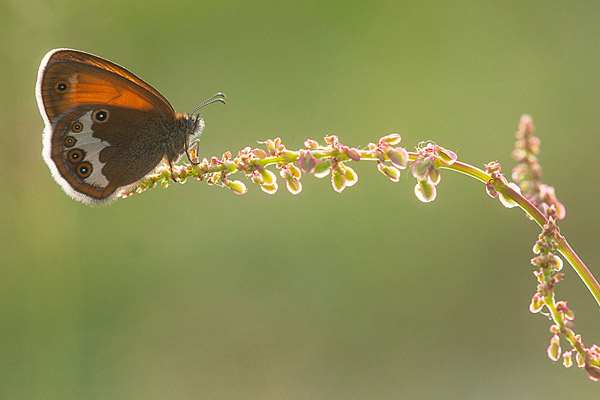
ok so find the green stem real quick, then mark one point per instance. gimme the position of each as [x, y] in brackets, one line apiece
[564, 248]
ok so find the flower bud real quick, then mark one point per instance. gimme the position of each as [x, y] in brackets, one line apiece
[491, 190]
[398, 157]
[338, 182]
[446, 156]
[237, 187]
[307, 161]
[322, 168]
[419, 169]
[268, 177]
[391, 139]
[351, 176]
[259, 153]
[434, 176]
[311, 144]
[593, 372]
[554, 348]
[269, 189]
[425, 191]
[293, 185]
[568, 359]
[270, 146]
[295, 171]
[537, 303]
[332, 140]
[352, 154]
[391, 172]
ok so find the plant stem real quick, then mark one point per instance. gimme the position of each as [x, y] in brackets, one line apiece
[564, 248]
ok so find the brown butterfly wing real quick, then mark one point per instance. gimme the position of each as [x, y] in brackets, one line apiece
[98, 157]
[70, 78]
[92, 155]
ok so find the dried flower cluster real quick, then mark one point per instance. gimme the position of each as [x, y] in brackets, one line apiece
[319, 160]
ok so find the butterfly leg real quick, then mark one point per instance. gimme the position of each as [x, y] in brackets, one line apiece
[195, 143]
[172, 173]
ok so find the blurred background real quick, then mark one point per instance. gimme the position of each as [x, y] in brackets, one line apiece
[196, 293]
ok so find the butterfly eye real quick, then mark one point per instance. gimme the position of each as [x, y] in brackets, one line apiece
[84, 169]
[77, 127]
[76, 156]
[61, 87]
[100, 116]
[69, 141]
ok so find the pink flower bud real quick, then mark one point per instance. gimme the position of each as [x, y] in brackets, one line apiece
[338, 182]
[491, 190]
[237, 187]
[268, 177]
[419, 169]
[392, 139]
[293, 185]
[593, 372]
[351, 176]
[568, 359]
[307, 161]
[434, 176]
[269, 189]
[311, 144]
[332, 140]
[526, 124]
[352, 154]
[446, 156]
[425, 191]
[295, 171]
[270, 147]
[537, 303]
[322, 168]
[554, 348]
[259, 153]
[391, 172]
[398, 157]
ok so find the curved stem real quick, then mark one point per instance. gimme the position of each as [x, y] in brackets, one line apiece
[564, 248]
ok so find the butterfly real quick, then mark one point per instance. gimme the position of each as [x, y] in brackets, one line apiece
[105, 128]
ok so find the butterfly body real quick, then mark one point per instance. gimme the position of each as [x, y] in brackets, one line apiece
[106, 129]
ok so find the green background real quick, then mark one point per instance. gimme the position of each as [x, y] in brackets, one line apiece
[196, 293]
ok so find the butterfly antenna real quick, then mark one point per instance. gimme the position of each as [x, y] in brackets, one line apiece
[218, 97]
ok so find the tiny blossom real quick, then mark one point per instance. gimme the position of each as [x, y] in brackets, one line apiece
[593, 372]
[554, 348]
[425, 191]
[269, 189]
[293, 185]
[351, 176]
[398, 156]
[352, 154]
[446, 156]
[259, 153]
[307, 161]
[338, 181]
[268, 177]
[322, 168]
[311, 144]
[568, 359]
[391, 139]
[237, 187]
[491, 190]
[537, 303]
[391, 172]
[420, 168]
